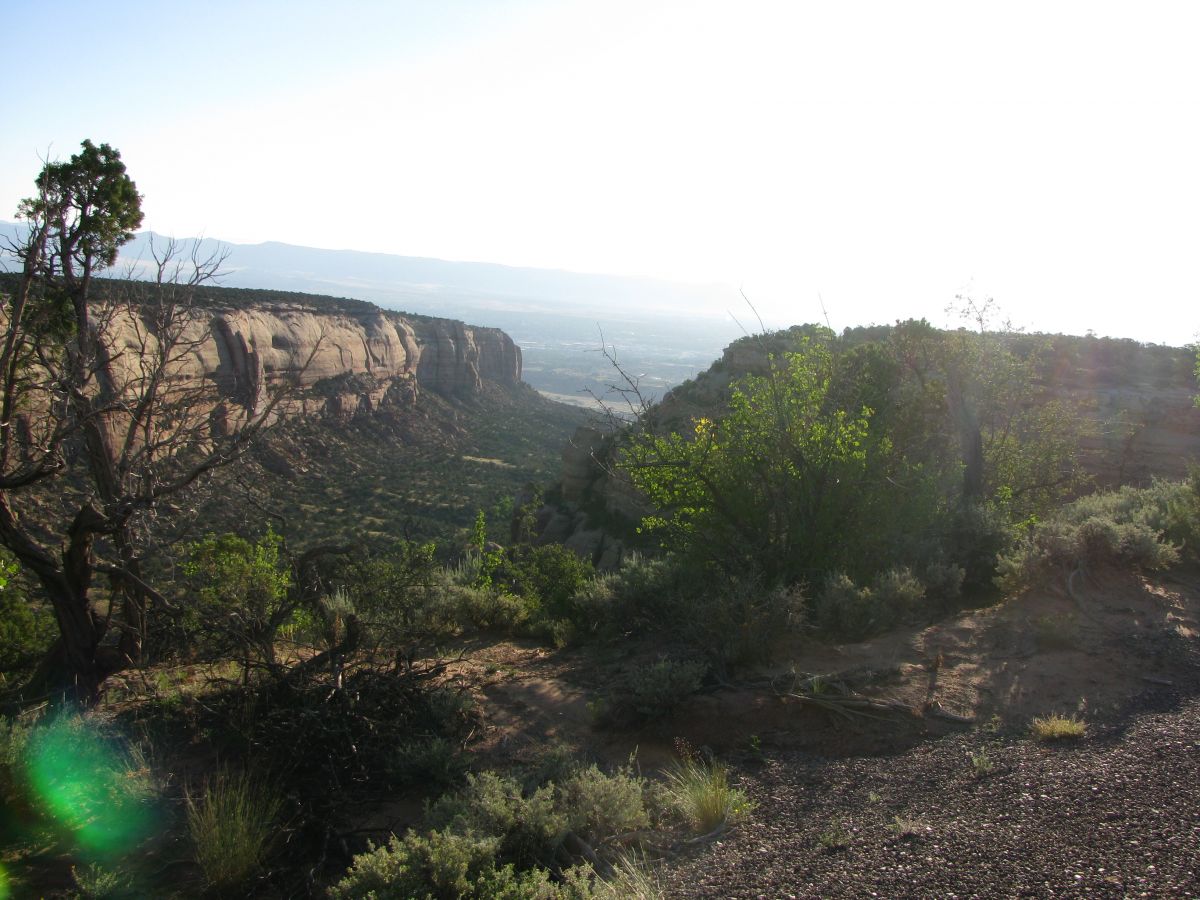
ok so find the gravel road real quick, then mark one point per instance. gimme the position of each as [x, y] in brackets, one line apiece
[1115, 814]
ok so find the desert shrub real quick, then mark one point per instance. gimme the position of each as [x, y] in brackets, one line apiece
[943, 580]
[324, 741]
[1126, 527]
[650, 692]
[733, 622]
[231, 821]
[531, 825]
[81, 776]
[26, 630]
[1180, 505]
[94, 882]
[489, 609]
[548, 578]
[240, 593]
[492, 838]
[655, 690]
[600, 807]
[440, 864]
[446, 864]
[398, 595]
[633, 877]
[433, 760]
[631, 598]
[975, 536]
[900, 591]
[595, 604]
[528, 828]
[14, 735]
[853, 613]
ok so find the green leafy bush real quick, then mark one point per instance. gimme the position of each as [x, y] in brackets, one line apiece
[398, 596]
[240, 594]
[26, 630]
[548, 578]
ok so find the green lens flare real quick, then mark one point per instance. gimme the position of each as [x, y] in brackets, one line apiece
[90, 787]
[4, 889]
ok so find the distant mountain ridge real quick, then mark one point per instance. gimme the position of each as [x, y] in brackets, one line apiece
[441, 287]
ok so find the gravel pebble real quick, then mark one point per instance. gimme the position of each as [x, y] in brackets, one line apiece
[1115, 814]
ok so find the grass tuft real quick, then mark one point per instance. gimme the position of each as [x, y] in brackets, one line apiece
[701, 792]
[231, 822]
[633, 877]
[98, 883]
[1057, 728]
[909, 829]
[834, 838]
[981, 762]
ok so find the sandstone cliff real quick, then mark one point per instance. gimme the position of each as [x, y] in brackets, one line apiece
[340, 362]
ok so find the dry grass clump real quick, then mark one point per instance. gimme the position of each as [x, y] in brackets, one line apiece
[231, 822]
[1057, 728]
[702, 794]
[633, 877]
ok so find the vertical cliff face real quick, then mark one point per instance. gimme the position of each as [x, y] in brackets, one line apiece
[454, 358]
[340, 363]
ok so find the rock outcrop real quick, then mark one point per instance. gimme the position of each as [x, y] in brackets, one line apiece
[339, 363]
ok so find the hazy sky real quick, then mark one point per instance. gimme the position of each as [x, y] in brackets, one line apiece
[885, 156]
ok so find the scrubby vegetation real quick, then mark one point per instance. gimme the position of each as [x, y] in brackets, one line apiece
[281, 676]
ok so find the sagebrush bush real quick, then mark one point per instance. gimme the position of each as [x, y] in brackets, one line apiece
[438, 864]
[453, 866]
[657, 689]
[528, 829]
[494, 839]
[595, 603]
[1131, 527]
[231, 821]
[851, 612]
[650, 692]
[600, 807]
[733, 622]
[943, 580]
[489, 609]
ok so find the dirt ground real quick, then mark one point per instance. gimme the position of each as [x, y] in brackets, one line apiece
[1089, 645]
